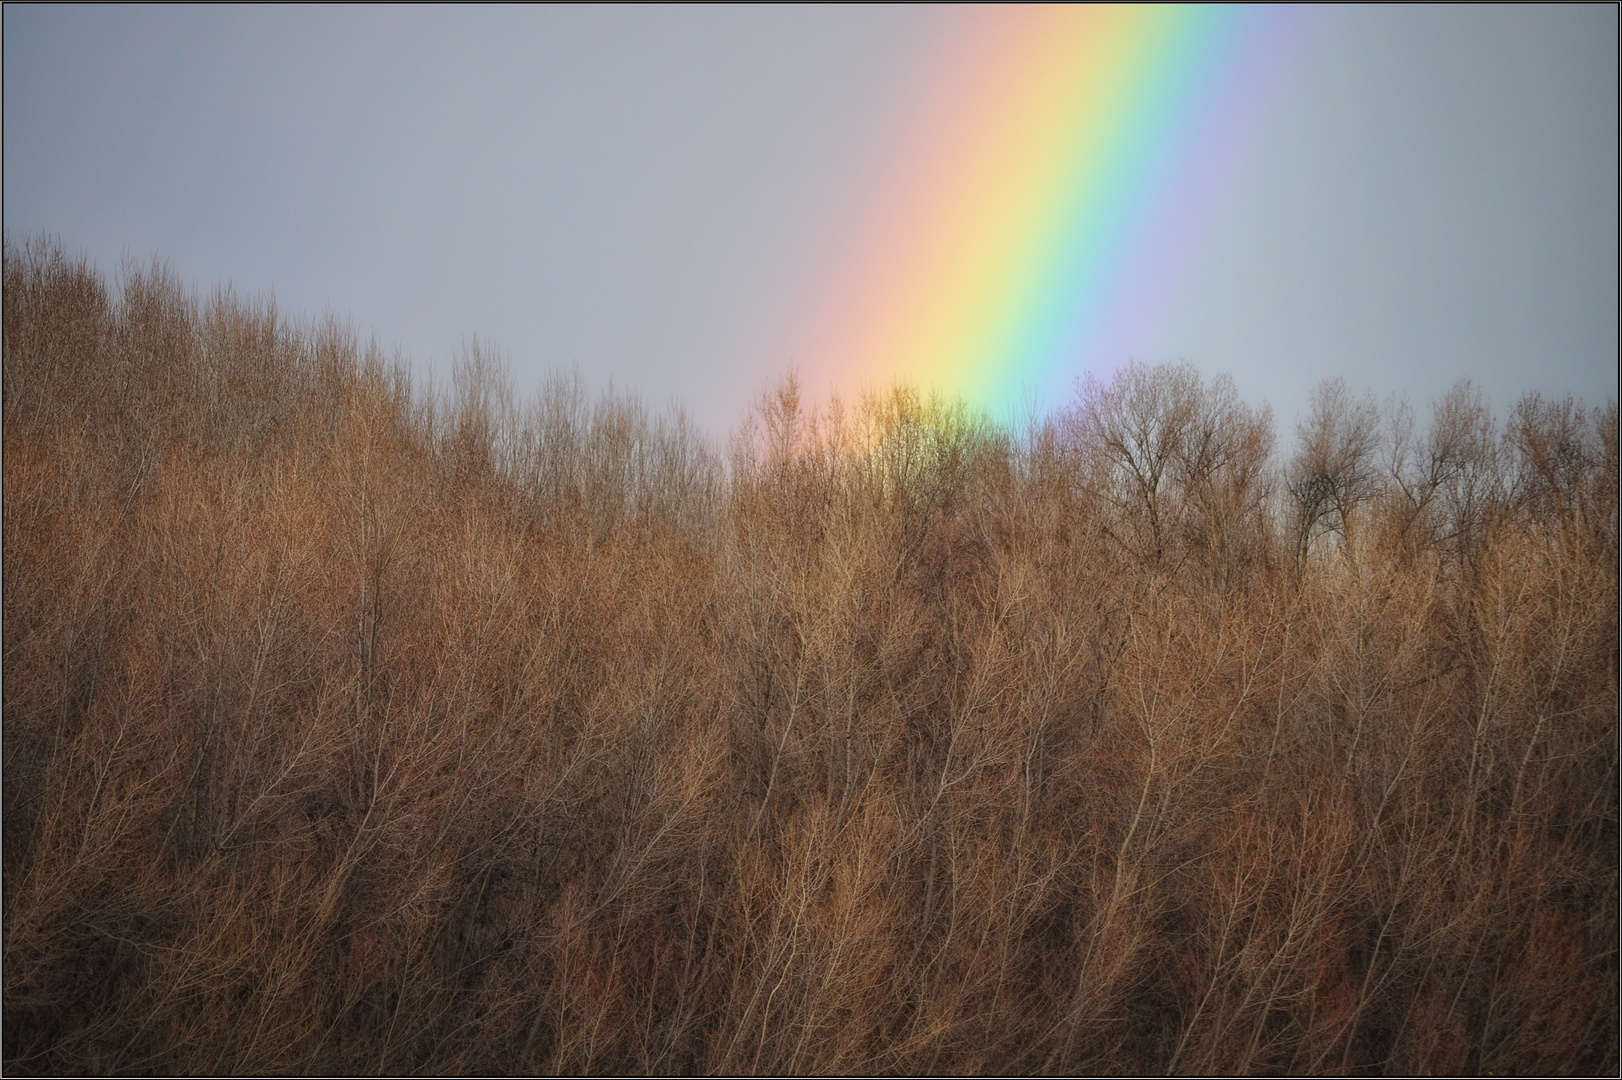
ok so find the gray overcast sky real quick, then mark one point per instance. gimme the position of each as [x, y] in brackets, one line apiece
[652, 194]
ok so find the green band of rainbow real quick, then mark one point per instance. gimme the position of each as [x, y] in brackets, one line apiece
[1048, 199]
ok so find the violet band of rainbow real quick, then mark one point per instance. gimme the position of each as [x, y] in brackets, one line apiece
[1047, 203]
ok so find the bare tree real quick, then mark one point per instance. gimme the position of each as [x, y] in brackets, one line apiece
[1182, 462]
[1461, 466]
[1333, 470]
[1222, 462]
[1138, 428]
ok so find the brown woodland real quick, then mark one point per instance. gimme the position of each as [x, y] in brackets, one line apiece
[358, 727]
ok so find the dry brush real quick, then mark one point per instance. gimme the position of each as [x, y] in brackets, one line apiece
[352, 727]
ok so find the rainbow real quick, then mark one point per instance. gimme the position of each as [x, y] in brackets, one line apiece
[1044, 204]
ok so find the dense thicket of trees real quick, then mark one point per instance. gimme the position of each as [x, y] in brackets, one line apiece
[350, 727]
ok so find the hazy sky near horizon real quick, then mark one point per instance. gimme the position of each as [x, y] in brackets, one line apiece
[664, 196]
